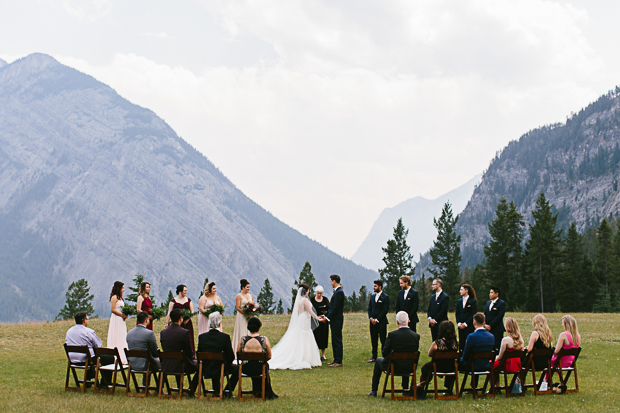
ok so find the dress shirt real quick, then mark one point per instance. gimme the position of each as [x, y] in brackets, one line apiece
[492, 304]
[377, 296]
[437, 294]
[80, 335]
[465, 297]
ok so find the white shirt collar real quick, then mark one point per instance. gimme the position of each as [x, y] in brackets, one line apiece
[438, 293]
[480, 328]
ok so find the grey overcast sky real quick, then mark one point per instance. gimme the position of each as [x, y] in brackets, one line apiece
[326, 112]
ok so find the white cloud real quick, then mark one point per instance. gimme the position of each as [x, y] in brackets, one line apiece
[85, 9]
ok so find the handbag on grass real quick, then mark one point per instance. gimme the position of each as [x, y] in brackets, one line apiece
[516, 388]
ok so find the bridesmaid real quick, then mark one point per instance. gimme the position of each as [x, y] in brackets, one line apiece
[207, 300]
[117, 330]
[183, 302]
[241, 324]
[144, 302]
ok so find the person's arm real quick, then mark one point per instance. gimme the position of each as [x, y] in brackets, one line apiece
[139, 304]
[170, 307]
[432, 349]
[229, 355]
[561, 341]
[387, 348]
[238, 304]
[443, 310]
[308, 307]
[152, 345]
[474, 310]
[370, 307]
[268, 348]
[337, 302]
[467, 350]
[113, 302]
[202, 302]
[499, 319]
[428, 311]
[386, 306]
[457, 311]
[502, 347]
[416, 303]
[191, 305]
[95, 341]
[533, 338]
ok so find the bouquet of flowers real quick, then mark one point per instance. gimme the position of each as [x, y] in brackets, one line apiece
[214, 308]
[251, 310]
[188, 314]
[129, 310]
[158, 312]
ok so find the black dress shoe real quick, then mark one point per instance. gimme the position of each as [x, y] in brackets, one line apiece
[373, 394]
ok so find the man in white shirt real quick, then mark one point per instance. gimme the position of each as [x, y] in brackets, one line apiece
[437, 307]
[494, 312]
[466, 307]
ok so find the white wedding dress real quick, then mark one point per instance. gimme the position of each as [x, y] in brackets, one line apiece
[297, 349]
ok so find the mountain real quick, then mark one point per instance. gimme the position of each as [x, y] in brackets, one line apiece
[93, 186]
[576, 164]
[2, 63]
[417, 214]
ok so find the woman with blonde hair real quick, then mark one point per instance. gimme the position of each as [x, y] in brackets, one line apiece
[568, 339]
[541, 338]
[207, 300]
[513, 341]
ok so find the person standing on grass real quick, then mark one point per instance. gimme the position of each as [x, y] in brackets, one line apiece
[494, 312]
[117, 330]
[377, 314]
[408, 301]
[466, 307]
[437, 307]
[335, 318]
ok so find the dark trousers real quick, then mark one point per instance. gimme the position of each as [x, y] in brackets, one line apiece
[232, 371]
[498, 340]
[337, 342]
[463, 336]
[413, 325]
[376, 374]
[254, 368]
[434, 331]
[105, 360]
[377, 332]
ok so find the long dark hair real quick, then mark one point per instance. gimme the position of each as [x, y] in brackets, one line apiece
[142, 290]
[116, 290]
[447, 333]
[470, 291]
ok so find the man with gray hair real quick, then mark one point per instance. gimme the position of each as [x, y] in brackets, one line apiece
[214, 341]
[402, 340]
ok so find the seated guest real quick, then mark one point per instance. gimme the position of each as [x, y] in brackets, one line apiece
[214, 341]
[141, 338]
[513, 341]
[255, 343]
[402, 340]
[541, 338]
[478, 341]
[81, 335]
[568, 339]
[446, 341]
[176, 338]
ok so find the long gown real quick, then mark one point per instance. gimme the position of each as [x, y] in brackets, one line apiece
[203, 322]
[147, 304]
[117, 332]
[188, 326]
[241, 326]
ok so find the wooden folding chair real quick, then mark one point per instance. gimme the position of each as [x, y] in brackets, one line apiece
[117, 366]
[475, 375]
[531, 366]
[201, 357]
[501, 371]
[163, 375]
[151, 368]
[251, 356]
[557, 368]
[72, 367]
[389, 373]
[445, 355]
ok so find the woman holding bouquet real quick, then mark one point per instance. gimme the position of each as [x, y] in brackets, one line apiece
[183, 302]
[144, 303]
[206, 301]
[241, 322]
[117, 330]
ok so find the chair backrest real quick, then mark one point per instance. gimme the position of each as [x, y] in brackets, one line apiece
[207, 355]
[143, 354]
[78, 349]
[568, 352]
[442, 355]
[103, 351]
[404, 355]
[515, 354]
[542, 352]
[251, 356]
[485, 355]
[171, 355]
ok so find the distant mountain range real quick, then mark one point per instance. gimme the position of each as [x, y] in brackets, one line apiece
[93, 186]
[417, 214]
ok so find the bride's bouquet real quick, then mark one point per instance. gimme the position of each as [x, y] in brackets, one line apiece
[214, 308]
[251, 310]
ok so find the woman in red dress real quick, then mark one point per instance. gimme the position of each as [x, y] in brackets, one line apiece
[144, 302]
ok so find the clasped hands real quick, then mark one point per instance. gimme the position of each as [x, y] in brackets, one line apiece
[322, 319]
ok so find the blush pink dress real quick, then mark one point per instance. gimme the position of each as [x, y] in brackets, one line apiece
[117, 332]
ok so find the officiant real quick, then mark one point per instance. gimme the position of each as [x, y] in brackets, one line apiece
[321, 333]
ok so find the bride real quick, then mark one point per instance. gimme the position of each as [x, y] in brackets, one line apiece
[297, 349]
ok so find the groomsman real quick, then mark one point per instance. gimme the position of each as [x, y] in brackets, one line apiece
[377, 314]
[437, 307]
[494, 312]
[408, 301]
[466, 307]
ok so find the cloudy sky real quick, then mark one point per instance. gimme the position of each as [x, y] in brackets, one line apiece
[326, 112]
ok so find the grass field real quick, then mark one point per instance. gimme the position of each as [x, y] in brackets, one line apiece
[33, 365]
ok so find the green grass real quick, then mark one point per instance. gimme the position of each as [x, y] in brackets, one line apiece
[33, 365]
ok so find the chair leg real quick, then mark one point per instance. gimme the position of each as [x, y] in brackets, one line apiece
[392, 381]
[385, 384]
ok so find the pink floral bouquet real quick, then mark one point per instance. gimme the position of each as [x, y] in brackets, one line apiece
[251, 310]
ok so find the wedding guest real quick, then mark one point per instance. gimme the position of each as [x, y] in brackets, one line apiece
[568, 339]
[437, 307]
[513, 341]
[141, 338]
[81, 335]
[183, 302]
[494, 312]
[215, 341]
[253, 342]
[478, 341]
[466, 307]
[446, 341]
[241, 323]
[144, 303]
[377, 315]
[404, 339]
[206, 301]
[541, 338]
[408, 301]
[321, 333]
[117, 330]
[177, 338]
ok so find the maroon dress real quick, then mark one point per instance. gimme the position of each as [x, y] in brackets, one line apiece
[188, 326]
[147, 304]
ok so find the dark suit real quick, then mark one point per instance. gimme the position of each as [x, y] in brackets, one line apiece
[478, 341]
[336, 320]
[438, 311]
[494, 317]
[378, 310]
[465, 315]
[176, 338]
[215, 341]
[409, 305]
[402, 340]
[141, 338]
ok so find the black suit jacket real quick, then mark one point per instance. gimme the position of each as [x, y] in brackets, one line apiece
[409, 304]
[438, 309]
[495, 316]
[336, 306]
[401, 340]
[466, 315]
[379, 309]
[176, 338]
[215, 341]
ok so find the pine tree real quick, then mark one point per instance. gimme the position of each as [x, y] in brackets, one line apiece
[166, 303]
[604, 254]
[424, 289]
[364, 296]
[398, 261]
[446, 252]
[265, 297]
[543, 256]
[78, 299]
[280, 308]
[305, 277]
[568, 294]
[133, 297]
[352, 303]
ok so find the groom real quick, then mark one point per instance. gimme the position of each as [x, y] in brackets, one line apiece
[336, 319]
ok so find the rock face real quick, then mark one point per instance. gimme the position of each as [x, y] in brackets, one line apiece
[93, 186]
[417, 214]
